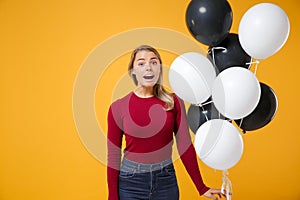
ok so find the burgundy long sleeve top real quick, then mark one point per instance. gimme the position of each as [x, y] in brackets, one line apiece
[148, 129]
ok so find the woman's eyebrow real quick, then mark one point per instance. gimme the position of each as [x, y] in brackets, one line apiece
[153, 58]
[140, 59]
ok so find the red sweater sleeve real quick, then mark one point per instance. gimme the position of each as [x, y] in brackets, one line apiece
[185, 147]
[114, 142]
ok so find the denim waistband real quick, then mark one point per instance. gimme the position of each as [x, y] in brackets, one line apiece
[141, 167]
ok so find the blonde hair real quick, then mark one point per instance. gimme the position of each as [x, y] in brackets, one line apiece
[159, 91]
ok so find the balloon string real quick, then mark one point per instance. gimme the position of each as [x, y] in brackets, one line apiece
[213, 56]
[226, 185]
[228, 189]
[256, 65]
[225, 172]
[240, 125]
[212, 50]
[199, 104]
[255, 70]
[241, 122]
[204, 114]
[249, 63]
[206, 103]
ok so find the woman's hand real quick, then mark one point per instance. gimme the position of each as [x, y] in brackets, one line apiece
[213, 193]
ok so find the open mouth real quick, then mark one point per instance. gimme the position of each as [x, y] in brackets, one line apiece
[148, 77]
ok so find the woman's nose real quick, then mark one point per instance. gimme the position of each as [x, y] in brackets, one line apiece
[148, 66]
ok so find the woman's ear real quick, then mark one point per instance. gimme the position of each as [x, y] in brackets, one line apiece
[133, 76]
[132, 72]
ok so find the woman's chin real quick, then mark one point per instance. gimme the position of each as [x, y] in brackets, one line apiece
[148, 84]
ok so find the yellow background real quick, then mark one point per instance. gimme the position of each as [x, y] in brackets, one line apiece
[42, 46]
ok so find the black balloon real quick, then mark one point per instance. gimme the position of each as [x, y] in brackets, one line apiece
[229, 53]
[209, 21]
[198, 115]
[264, 111]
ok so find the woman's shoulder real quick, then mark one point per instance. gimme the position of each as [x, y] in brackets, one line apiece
[179, 105]
[177, 99]
[120, 102]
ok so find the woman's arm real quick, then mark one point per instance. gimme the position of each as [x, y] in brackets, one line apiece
[114, 143]
[186, 148]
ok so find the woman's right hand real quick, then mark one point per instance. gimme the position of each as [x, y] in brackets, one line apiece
[214, 194]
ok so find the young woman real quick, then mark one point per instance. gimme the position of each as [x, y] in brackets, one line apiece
[149, 117]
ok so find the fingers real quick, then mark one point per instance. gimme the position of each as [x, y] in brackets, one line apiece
[224, 193]
[217, 192]
[213, 194]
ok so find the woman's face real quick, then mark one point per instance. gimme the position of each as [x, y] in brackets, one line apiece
[146, 68]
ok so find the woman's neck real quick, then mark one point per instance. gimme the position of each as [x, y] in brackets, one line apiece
[144, 92]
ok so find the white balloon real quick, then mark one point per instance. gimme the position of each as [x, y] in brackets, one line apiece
[191, 77]
[219, 144]
[263, 30]
[236, 92]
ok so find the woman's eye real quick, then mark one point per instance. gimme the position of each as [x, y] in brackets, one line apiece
[141, 64]
[154, 63]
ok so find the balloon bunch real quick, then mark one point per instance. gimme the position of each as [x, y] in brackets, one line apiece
[220, 86]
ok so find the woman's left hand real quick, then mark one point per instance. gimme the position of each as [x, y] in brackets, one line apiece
[213, 193]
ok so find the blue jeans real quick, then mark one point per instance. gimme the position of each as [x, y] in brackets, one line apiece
[147, 181]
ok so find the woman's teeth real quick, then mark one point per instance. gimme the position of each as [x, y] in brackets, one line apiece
[148, 76]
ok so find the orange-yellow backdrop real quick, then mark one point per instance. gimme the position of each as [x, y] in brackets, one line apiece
[42, 46]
